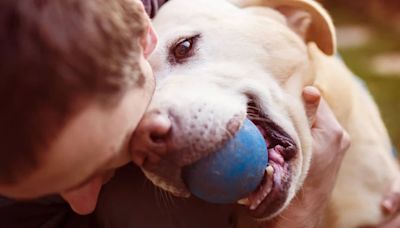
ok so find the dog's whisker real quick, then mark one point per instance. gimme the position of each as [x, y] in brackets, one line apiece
[160, 192]
[284, 217]
[170, 199]
[165, 200]
[145, 183]
[160, 198]
[162, 202]
[230, 135]
[157, 196]
[301, 195]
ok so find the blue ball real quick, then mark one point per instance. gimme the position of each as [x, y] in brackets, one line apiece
[233, 172]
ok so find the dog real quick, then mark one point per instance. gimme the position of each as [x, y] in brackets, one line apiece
[219, 62]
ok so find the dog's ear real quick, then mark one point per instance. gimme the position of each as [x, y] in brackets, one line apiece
[305, 17]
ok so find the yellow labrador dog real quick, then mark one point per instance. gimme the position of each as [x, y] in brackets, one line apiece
[219, 62]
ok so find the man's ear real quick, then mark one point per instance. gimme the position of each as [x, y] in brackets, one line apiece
[305, 17]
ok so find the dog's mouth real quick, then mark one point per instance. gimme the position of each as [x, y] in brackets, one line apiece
[273, 190]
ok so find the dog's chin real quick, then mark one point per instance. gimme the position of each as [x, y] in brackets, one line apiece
[273, 192]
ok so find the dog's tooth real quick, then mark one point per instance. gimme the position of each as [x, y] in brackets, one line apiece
[244, 201]
[269, 170]
[255, 205]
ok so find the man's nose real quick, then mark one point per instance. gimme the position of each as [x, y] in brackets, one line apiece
[83, 200]
[152, 138]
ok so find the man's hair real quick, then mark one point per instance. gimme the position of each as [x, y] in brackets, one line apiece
[53, 55]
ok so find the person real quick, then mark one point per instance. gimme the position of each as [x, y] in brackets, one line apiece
[75, 83]
[330, 144]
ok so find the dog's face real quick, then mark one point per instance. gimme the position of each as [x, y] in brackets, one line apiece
[215, 65]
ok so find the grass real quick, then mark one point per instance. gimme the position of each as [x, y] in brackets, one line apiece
[384, 88]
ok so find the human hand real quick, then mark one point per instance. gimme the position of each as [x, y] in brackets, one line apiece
[391, 206]
[391, 201]
[330, 142]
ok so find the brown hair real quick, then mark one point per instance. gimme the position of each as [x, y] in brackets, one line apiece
[54, 53]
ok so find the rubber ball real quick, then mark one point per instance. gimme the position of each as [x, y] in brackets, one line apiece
[232, 172]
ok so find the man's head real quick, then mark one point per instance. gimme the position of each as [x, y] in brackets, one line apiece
[74, 84]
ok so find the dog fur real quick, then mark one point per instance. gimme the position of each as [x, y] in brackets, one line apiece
[270, 50]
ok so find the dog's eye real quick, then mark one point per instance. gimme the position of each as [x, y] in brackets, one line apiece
[183, 50]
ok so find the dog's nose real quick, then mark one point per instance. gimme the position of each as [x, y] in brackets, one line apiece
[150, 140]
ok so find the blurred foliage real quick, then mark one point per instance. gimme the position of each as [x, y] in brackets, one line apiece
[383, 11]
[385, 39]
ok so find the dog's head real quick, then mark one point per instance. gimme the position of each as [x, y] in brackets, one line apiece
[218, 63]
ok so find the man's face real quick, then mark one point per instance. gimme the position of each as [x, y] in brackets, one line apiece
[90, 147]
